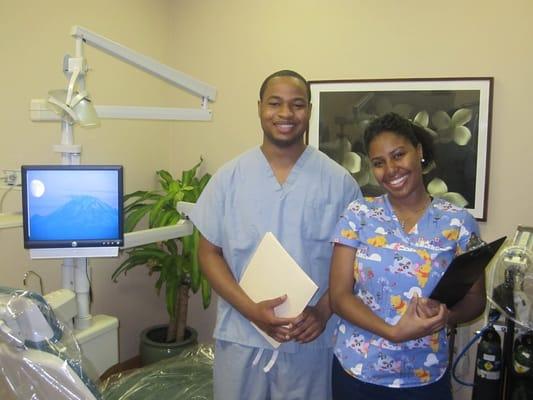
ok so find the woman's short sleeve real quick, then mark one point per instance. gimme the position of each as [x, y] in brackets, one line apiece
[469, 234]
[347, 229]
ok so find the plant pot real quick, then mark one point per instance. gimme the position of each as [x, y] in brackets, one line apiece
[154, 348]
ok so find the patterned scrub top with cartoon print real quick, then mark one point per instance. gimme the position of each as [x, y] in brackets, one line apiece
[390, 267]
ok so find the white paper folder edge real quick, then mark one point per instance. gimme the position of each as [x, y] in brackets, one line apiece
[271, 273]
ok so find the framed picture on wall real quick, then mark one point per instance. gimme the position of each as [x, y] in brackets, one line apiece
[456, 112]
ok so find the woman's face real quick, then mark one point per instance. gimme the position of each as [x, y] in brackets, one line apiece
[396, 164]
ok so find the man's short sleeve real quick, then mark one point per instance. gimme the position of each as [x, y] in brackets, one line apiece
[209, 210]
[351, 190]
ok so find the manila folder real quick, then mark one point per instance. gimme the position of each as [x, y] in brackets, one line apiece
[271, 273]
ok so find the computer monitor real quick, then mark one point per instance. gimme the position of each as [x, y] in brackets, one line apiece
[72, 211]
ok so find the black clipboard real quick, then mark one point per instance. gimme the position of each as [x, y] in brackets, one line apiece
[463, 272]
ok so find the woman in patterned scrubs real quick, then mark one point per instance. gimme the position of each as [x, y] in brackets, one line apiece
[390, 251]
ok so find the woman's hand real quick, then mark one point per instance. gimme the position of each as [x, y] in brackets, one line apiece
[427, 308]
[309, 324]
[415, 324]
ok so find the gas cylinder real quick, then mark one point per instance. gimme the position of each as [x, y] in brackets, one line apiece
[523, 368]
[487, 378]
[523, 356]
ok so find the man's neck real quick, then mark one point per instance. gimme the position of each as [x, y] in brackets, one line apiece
[282, 159]
[282, 156]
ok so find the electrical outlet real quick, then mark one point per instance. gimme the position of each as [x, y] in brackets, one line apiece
[12, 177]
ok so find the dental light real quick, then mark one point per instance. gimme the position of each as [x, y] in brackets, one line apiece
[78, 109]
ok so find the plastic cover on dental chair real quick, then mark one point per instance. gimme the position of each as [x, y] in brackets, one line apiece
[188, 376]
[40, 358]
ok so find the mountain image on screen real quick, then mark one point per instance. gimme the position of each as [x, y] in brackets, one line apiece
[83, 217]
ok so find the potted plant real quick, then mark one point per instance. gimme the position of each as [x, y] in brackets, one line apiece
[175, 261]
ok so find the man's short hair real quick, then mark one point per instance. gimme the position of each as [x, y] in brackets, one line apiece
[285, 72]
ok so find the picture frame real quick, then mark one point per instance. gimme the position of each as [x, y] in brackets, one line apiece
[456, 113]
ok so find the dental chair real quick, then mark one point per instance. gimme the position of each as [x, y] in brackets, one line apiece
[40, 359]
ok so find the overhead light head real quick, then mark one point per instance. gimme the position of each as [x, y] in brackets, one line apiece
[79, 109]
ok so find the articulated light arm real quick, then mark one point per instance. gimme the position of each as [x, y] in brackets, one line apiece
[40, 112]
[76, 69]
[145, 63]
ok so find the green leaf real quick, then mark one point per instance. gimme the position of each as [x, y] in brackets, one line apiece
[171, 284]
[174, 187]
[203, 181]
[120, 269]
[188, 175]
[187, 242]
[148, 197]
[199, 186]
[138, 193]
[150, 253]
[179, 269]
[156, 209]
[162, 278]
[165, 178]
[189, 196]
[128, 209]
[178, 197]
[128, 264]
[158, 284]
[171, 246]
[142, 196]
[166, 217]
[171, 292]
[206, 292]
[196, 274]
[134, 217]
[174, 220]
[152, 246]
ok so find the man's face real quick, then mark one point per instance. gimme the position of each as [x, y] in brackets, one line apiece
[284, 111]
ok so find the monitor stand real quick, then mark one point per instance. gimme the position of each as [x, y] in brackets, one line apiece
[76, 252]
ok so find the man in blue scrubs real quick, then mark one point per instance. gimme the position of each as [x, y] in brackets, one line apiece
[297, 193]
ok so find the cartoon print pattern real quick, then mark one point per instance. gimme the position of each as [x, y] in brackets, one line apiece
[391, 267]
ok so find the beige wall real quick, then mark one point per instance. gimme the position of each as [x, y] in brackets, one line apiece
[233, 45]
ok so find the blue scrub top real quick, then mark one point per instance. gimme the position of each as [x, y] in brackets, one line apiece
[244, 200]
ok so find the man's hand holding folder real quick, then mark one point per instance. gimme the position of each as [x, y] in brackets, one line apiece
[281, 291]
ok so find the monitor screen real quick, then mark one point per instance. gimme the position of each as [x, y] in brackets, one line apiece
[72, 210]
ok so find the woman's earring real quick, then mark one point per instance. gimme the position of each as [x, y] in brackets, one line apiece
[422, 160]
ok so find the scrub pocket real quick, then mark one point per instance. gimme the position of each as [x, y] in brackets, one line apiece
[319, 221]
[241, 237]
